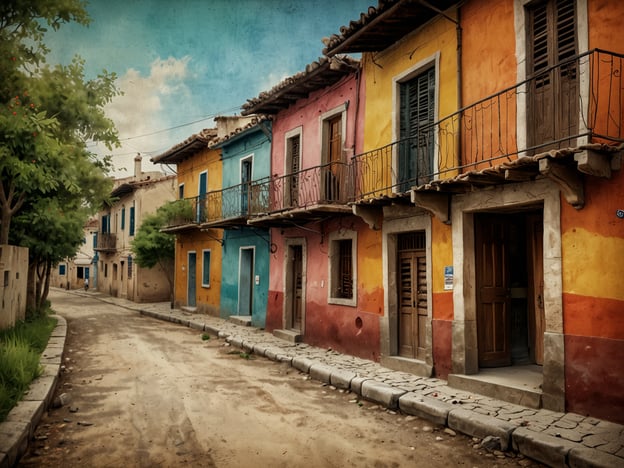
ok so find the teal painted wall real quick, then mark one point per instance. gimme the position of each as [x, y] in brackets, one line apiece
[254, 143]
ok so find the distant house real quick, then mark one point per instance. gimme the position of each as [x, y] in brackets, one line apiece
[71, 273]
[117, 274]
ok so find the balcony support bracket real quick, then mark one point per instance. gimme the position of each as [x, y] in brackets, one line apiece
[371, 215]
[438, 204]
[567, 178]
[594, 163]
[212, 236]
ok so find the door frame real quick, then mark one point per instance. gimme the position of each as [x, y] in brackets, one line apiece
[397, 220]
[188, 278]
[464, 346]
[287, 305]
[251, 278]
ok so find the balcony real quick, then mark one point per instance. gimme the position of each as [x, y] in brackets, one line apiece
[230, 206]
[189, 214]
[106, 242]
[561, 113]
[300, 197]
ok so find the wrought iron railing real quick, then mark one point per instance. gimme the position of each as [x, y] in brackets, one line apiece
[328, 184]
[228, 203]
[106, 241]
[580, 100]
[188, 211]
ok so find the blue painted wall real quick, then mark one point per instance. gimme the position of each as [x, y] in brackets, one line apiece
[253, 142]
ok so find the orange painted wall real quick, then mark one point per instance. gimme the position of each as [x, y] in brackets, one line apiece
[442, 307]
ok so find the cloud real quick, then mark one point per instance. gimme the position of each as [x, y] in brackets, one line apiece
[146, 106]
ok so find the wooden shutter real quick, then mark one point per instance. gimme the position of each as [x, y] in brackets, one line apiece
[345, 269]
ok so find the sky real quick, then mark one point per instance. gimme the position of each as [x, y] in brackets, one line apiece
[180, 63]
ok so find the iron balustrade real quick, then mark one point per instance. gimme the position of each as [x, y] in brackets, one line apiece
[328, 184]
[580, 100]
[188, 211]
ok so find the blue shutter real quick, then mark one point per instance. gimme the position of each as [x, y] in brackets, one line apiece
[132, 220]
[123, 218]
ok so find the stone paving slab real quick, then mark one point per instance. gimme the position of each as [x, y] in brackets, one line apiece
[556, 439]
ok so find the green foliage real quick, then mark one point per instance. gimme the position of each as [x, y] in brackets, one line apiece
[151, 246]
[20, 350]
[205, 337]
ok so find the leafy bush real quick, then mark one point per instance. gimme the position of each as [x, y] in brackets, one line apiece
[20, 352]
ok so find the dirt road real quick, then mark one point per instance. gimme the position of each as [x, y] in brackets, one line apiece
[145, 393]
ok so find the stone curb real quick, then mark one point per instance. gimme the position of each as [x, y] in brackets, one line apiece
[18, 428]
[552, 451]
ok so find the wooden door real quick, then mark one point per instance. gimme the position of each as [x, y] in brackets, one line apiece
[334, 158]
[412, 276]
[493, 293]
[537, 320]
[296, 286]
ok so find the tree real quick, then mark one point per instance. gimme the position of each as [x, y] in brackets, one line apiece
[49, 182]
[153, 247]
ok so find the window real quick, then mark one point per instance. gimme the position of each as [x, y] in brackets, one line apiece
[131, 221]
[181, 191]
[342, 264]
[114, 272]
[333, 157]
[123, 218]
[416, 132]
[95, 240]
[105, 223]
[206, 268]
[553, 97]
[61, 270]
[246, 176]
[201, 199]
[106, 270]
[293, 166]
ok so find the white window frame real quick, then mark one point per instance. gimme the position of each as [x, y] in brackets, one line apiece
[324, 130]
[397, 80]
[203, 259]
[297, 131]
[333, 266]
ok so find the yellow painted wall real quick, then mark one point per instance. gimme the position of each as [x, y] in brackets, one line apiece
[208, 298]
[379, 71]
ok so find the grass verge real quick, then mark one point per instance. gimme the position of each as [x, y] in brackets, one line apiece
[20, 354]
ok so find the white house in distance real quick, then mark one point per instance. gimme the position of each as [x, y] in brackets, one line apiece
[116, 273]
[71, 273]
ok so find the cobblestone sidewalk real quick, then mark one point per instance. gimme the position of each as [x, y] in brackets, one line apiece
[555, 439]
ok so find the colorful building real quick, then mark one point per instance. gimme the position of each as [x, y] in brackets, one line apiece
[197, 278]
[491, 163]
[71, 273]
[245, 155]
[322, 289]
[134, 198]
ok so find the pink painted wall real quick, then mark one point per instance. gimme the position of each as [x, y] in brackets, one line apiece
[349, 329]
[306, 113]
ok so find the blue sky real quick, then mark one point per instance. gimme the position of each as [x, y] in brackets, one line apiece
[188, 60]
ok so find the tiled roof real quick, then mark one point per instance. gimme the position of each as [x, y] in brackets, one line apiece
[319, 74]
[257, 120]
[187, 148]
[380, 27]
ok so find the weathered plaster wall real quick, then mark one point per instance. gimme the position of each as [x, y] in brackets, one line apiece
[306, 113]
[208, 298]
[380, 69]
[593, 300]
[188, 174]
[442, 307]
[350, 329]
[256, 144]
